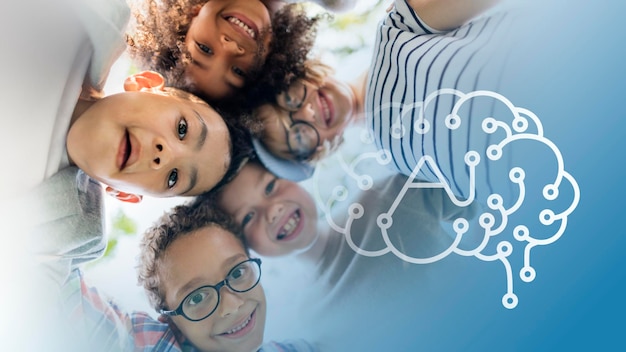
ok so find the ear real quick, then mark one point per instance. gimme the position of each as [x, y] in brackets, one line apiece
[146, 81]
[163, 319]
[195, 10]
[123, 196]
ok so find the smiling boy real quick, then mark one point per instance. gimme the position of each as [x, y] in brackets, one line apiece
[277, 216]
[152, 140]
[197, 273]
[307, 120]
[198, 276]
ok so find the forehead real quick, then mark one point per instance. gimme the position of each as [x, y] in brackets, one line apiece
[209, 79]
[210, 243]
[275, 121]
[271, 114]
[248, 179]
[214, 156]
[205, 254]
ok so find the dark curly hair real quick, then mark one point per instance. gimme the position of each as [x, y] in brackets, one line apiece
[294, 34]
[180, 221]
[156, 36]
[156, 41]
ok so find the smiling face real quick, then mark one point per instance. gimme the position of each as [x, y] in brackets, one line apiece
[329, 108]
[205, 257]
[151, 144]
[278, 216]
[227, 41]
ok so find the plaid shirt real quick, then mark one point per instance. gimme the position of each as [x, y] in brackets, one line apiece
[105, 327]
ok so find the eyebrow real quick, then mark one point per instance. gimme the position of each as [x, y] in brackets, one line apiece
[228, 83]
[203, 132]
[195, 62]
[193, 180]
[193, 174]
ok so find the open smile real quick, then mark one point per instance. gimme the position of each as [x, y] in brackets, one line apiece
[291, 228]
[243, 25]
[124, 151]
[327, 109]
[242, 328]
[128, 152]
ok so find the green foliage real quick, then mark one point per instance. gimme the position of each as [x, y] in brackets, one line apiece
[351, 25]
[111, 245]
[121, 225]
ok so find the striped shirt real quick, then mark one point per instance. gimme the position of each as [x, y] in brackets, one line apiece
[418, 77]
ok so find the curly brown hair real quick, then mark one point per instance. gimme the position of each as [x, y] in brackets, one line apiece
[156, 36]
[180, 221]
[294, 34]
[156, 41]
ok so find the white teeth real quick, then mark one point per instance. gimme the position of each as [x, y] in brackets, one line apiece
[291, 224]
[248, 30]
[326, 109]
[237, 328]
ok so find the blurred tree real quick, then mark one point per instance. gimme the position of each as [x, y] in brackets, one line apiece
[121, 225]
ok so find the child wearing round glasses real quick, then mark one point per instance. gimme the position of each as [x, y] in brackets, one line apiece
[197, 273]
[307, 120]
[442, 51]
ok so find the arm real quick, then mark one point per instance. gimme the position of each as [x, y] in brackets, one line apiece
[449, 14]
[97, 320]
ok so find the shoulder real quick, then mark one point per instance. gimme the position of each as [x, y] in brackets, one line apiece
[403, 17]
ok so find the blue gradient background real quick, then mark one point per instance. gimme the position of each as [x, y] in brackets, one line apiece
[570, 71]
[575, 82]
[576, 302]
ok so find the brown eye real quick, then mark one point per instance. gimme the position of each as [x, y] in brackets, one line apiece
[182, 128]
[239, 72]
[205, 49]
[270, 187]
[172, 178]
[247, 219]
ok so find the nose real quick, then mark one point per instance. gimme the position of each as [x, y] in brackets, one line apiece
[161, 155]
[231, 46]
[274, 211]
[306, 113]
[230, 302]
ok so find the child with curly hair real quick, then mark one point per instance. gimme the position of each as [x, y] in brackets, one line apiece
[216, 48]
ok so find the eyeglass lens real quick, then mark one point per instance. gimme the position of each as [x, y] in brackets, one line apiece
[203, 301]
[294, 97]
[303, 138]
